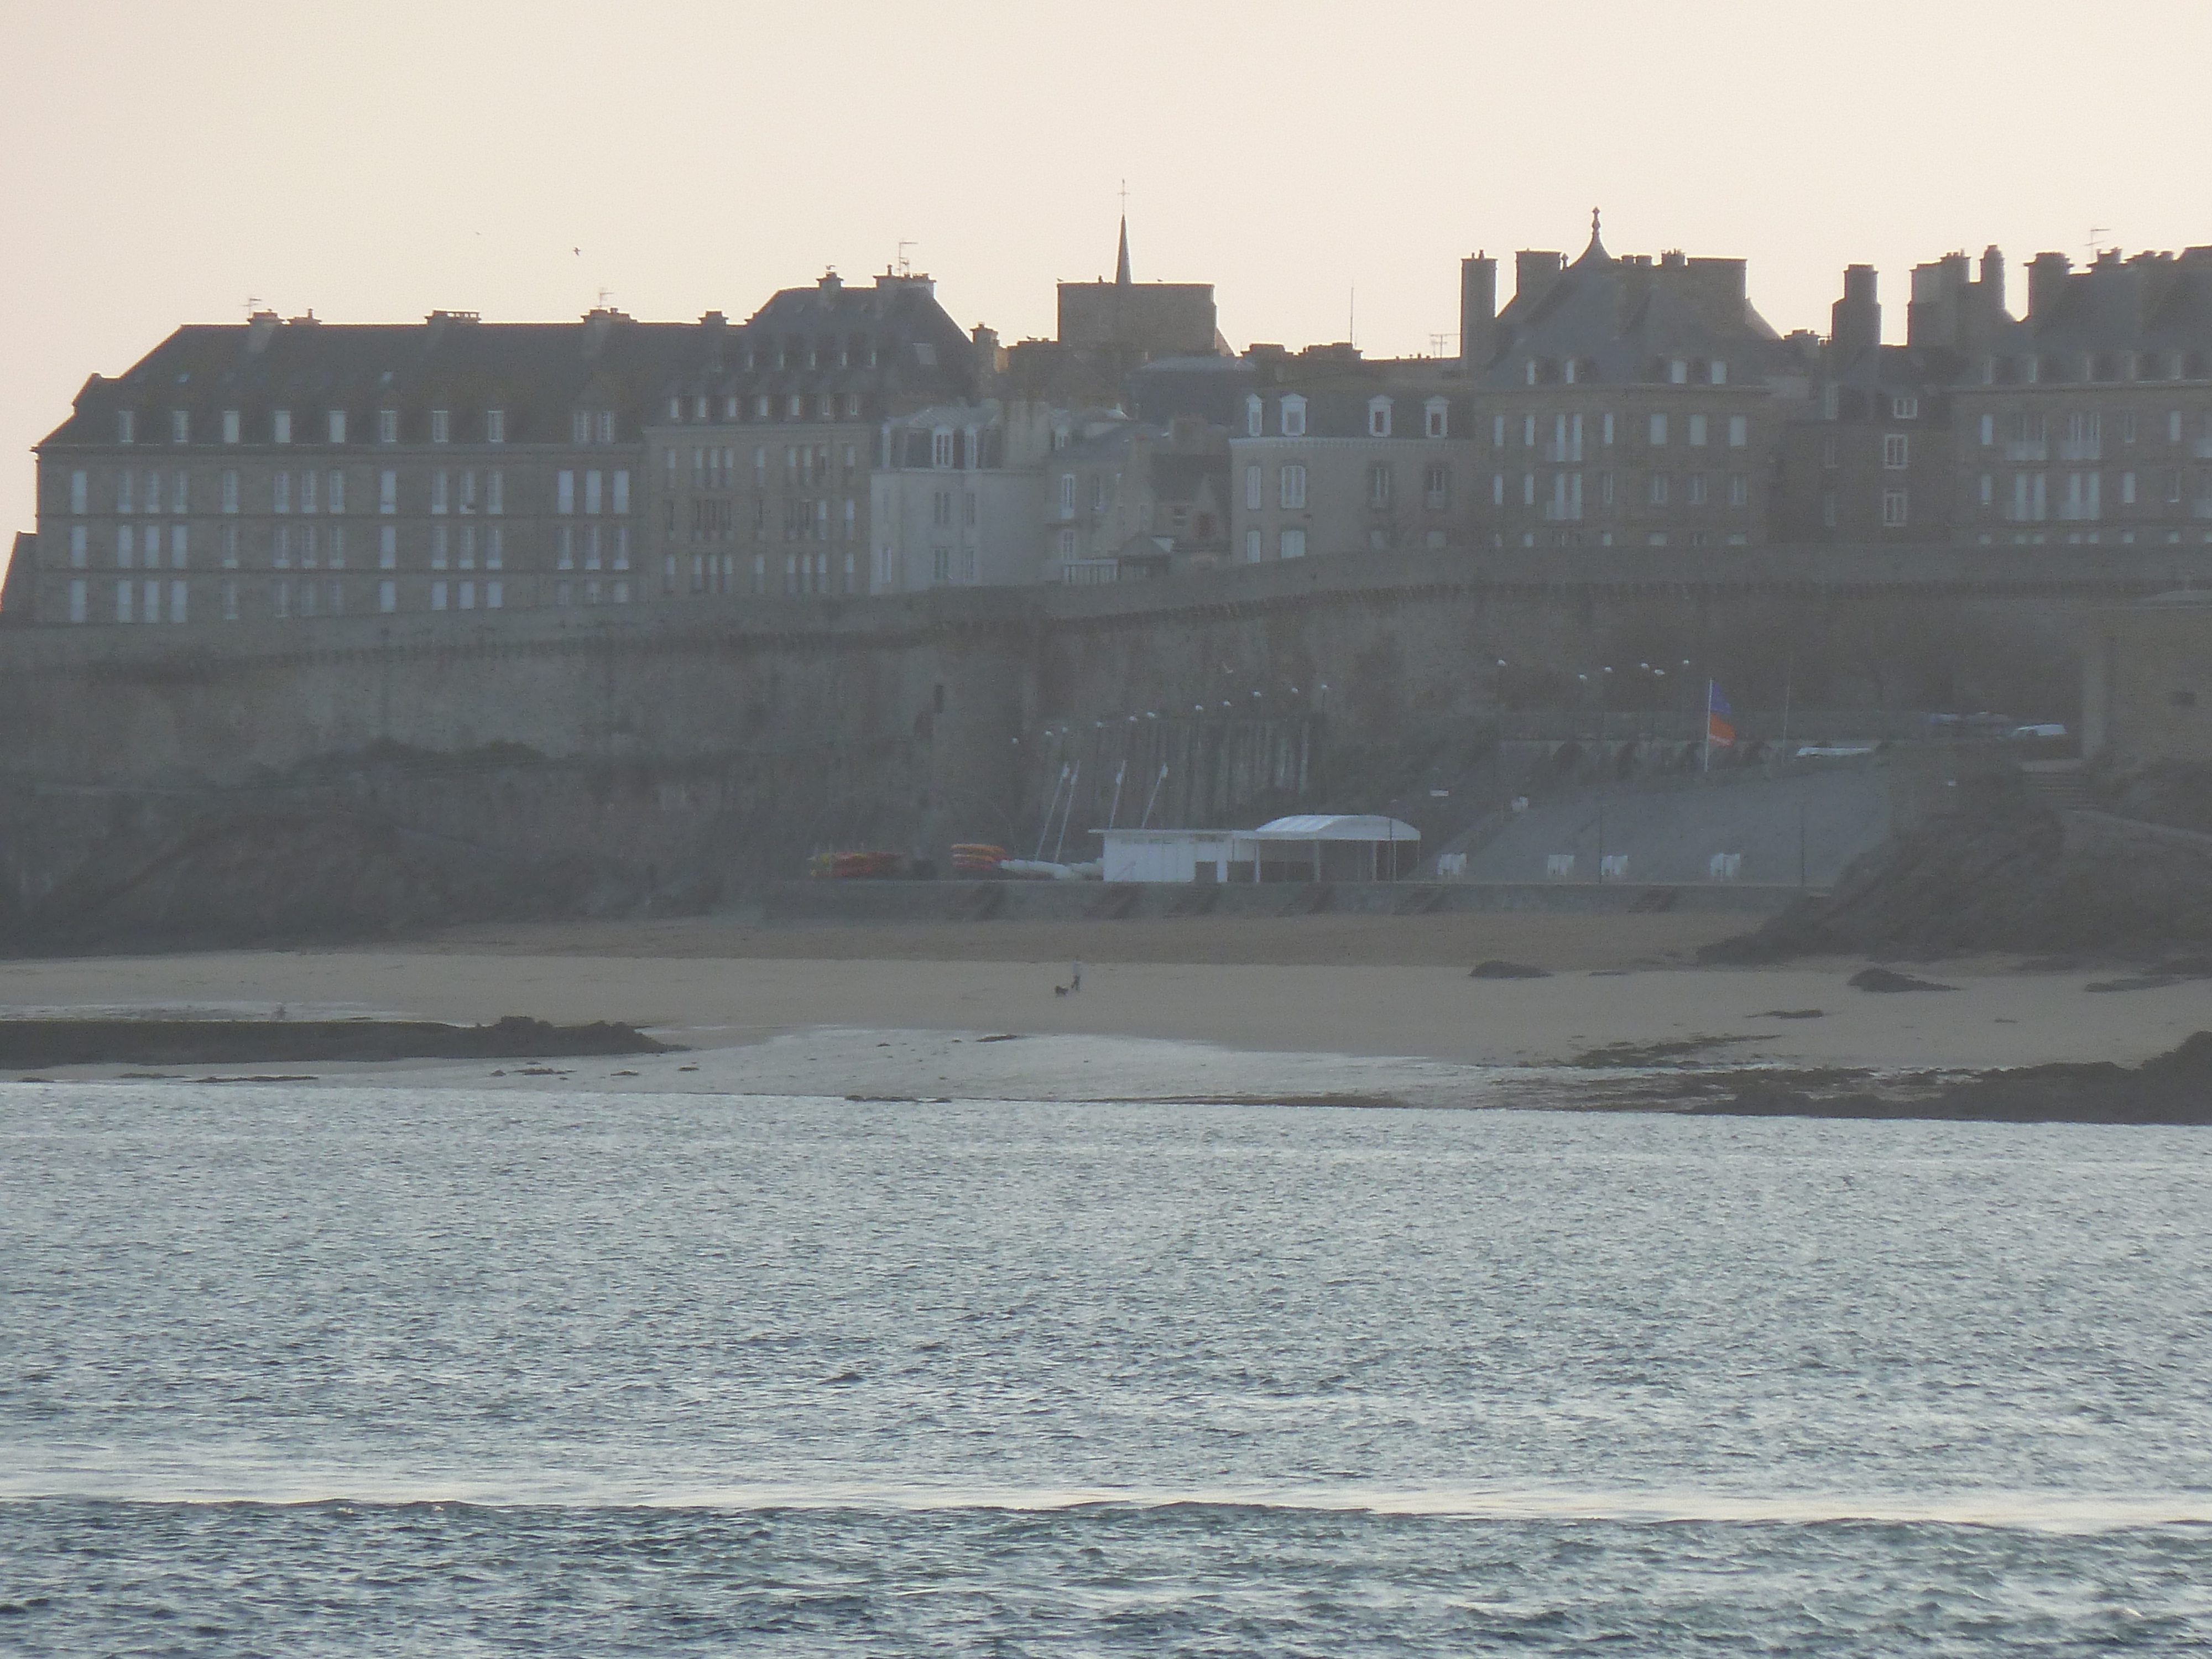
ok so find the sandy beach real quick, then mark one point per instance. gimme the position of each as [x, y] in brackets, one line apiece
[1348, 1006]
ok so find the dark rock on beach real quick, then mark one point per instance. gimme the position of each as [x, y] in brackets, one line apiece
[40, 1043]
[1494, 970]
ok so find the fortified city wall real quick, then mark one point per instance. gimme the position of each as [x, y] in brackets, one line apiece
[317, 773]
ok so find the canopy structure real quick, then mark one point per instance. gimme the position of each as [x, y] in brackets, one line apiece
[1310, 847]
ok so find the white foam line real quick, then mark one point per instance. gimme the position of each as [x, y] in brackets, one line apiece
[2057, 1512]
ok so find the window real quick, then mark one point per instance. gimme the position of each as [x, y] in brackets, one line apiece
[78, 605]
[1252, 488]
[1378, 485]
[1527, 489]
[280, 493]
[1717, 373]
[441, 547]
[1657, 493]
[1068, 495]
[387, 492]
[387, 547]
[1987, 490]
[1904, 409]
[940, 448]
[1696, 431]
[2127, 427]
[2127, 489]
[1294, 417]
[495, 490]
[496, 594]
[387, 426]
[1658, 432]
[1739, 431]
[592, 491]
[125, 427]
[335, 427]
[1678, 372]
[564, 493]
[1251, 547]
[604, 423]
[230, 601]
[1378, 418]
[1290, 489]
[1436, 488]
[387, 597]
[1893, 508]
[1292, 544]
[126, 594]
[1896, 450]
[442, 426]
[1439, 418]
[1739, 489]
[495, 548]
[181, 426]
[1498, 432]
[1528, 432]
[1497, 489]
[1252, 417]
[230, 426]
[80, 492]
[334, 492]
[79, 541]
[1695, 495]
[1989, 429]
[941, 509]
[438, 596]
[438, 491]
[494, 426]
[280, 426]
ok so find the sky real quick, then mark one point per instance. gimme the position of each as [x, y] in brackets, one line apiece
[1324, 165]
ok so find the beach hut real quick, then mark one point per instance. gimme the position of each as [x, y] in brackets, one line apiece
[1310, 846]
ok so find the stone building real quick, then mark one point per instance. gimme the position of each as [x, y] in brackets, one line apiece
[1868, 458]
[1126, 499]
[278, 469]
[763, 438]
[2089, 419]
[1337, 455]
[1107, 330]
[955, 497]
[1627, 402]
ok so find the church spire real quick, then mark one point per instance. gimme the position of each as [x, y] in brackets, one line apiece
[1121, 277]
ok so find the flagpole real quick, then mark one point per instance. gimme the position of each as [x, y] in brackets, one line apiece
[1709, 727]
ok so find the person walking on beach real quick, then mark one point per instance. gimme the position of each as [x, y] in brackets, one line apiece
[1075, 979]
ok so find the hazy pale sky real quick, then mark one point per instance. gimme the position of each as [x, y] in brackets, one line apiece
[162, 163]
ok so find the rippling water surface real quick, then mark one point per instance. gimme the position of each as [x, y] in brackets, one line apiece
[342, 1371]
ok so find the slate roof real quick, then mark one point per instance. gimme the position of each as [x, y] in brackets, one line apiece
[538, 372]
[818, 339]
[1620, 321]
[2158, 303]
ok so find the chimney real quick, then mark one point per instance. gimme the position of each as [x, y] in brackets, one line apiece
[1854, 321]
[1993, 279]
[1933, 317]
[2046, 284]
[1477, 311]
[1535, 272]
[983, 337]
[259, 329]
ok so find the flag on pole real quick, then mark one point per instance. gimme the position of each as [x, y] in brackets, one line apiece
[1719, 729]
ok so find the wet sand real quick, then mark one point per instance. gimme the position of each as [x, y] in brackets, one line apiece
[892, 1011]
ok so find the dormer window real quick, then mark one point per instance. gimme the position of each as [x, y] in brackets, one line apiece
[1528, 374]
[442, 426]
[334, 425]
[699, 408]
[1378, 418]
[494, 426]
[1678, 371]
[387, 426]
[1567, 371]
[127, 424]
[605, 421]
[940, 447]
[676, 409]
[730, 408]
[280, 426]
[579, 426]
[1717, 373]
[1439, 413]
[230, 426]
[1253, 417]
[1294, 417]
[1904, 409]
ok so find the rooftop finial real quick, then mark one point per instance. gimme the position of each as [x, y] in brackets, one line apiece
[1593, 224]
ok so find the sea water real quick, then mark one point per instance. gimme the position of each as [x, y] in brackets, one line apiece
[303, 1371]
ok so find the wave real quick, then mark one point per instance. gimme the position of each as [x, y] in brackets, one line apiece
[2038, 1511]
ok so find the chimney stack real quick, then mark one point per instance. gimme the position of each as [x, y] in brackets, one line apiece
[1535, 272]
[2046, 283]
[1477, 311]
[1993, 278]
[1854, 321]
